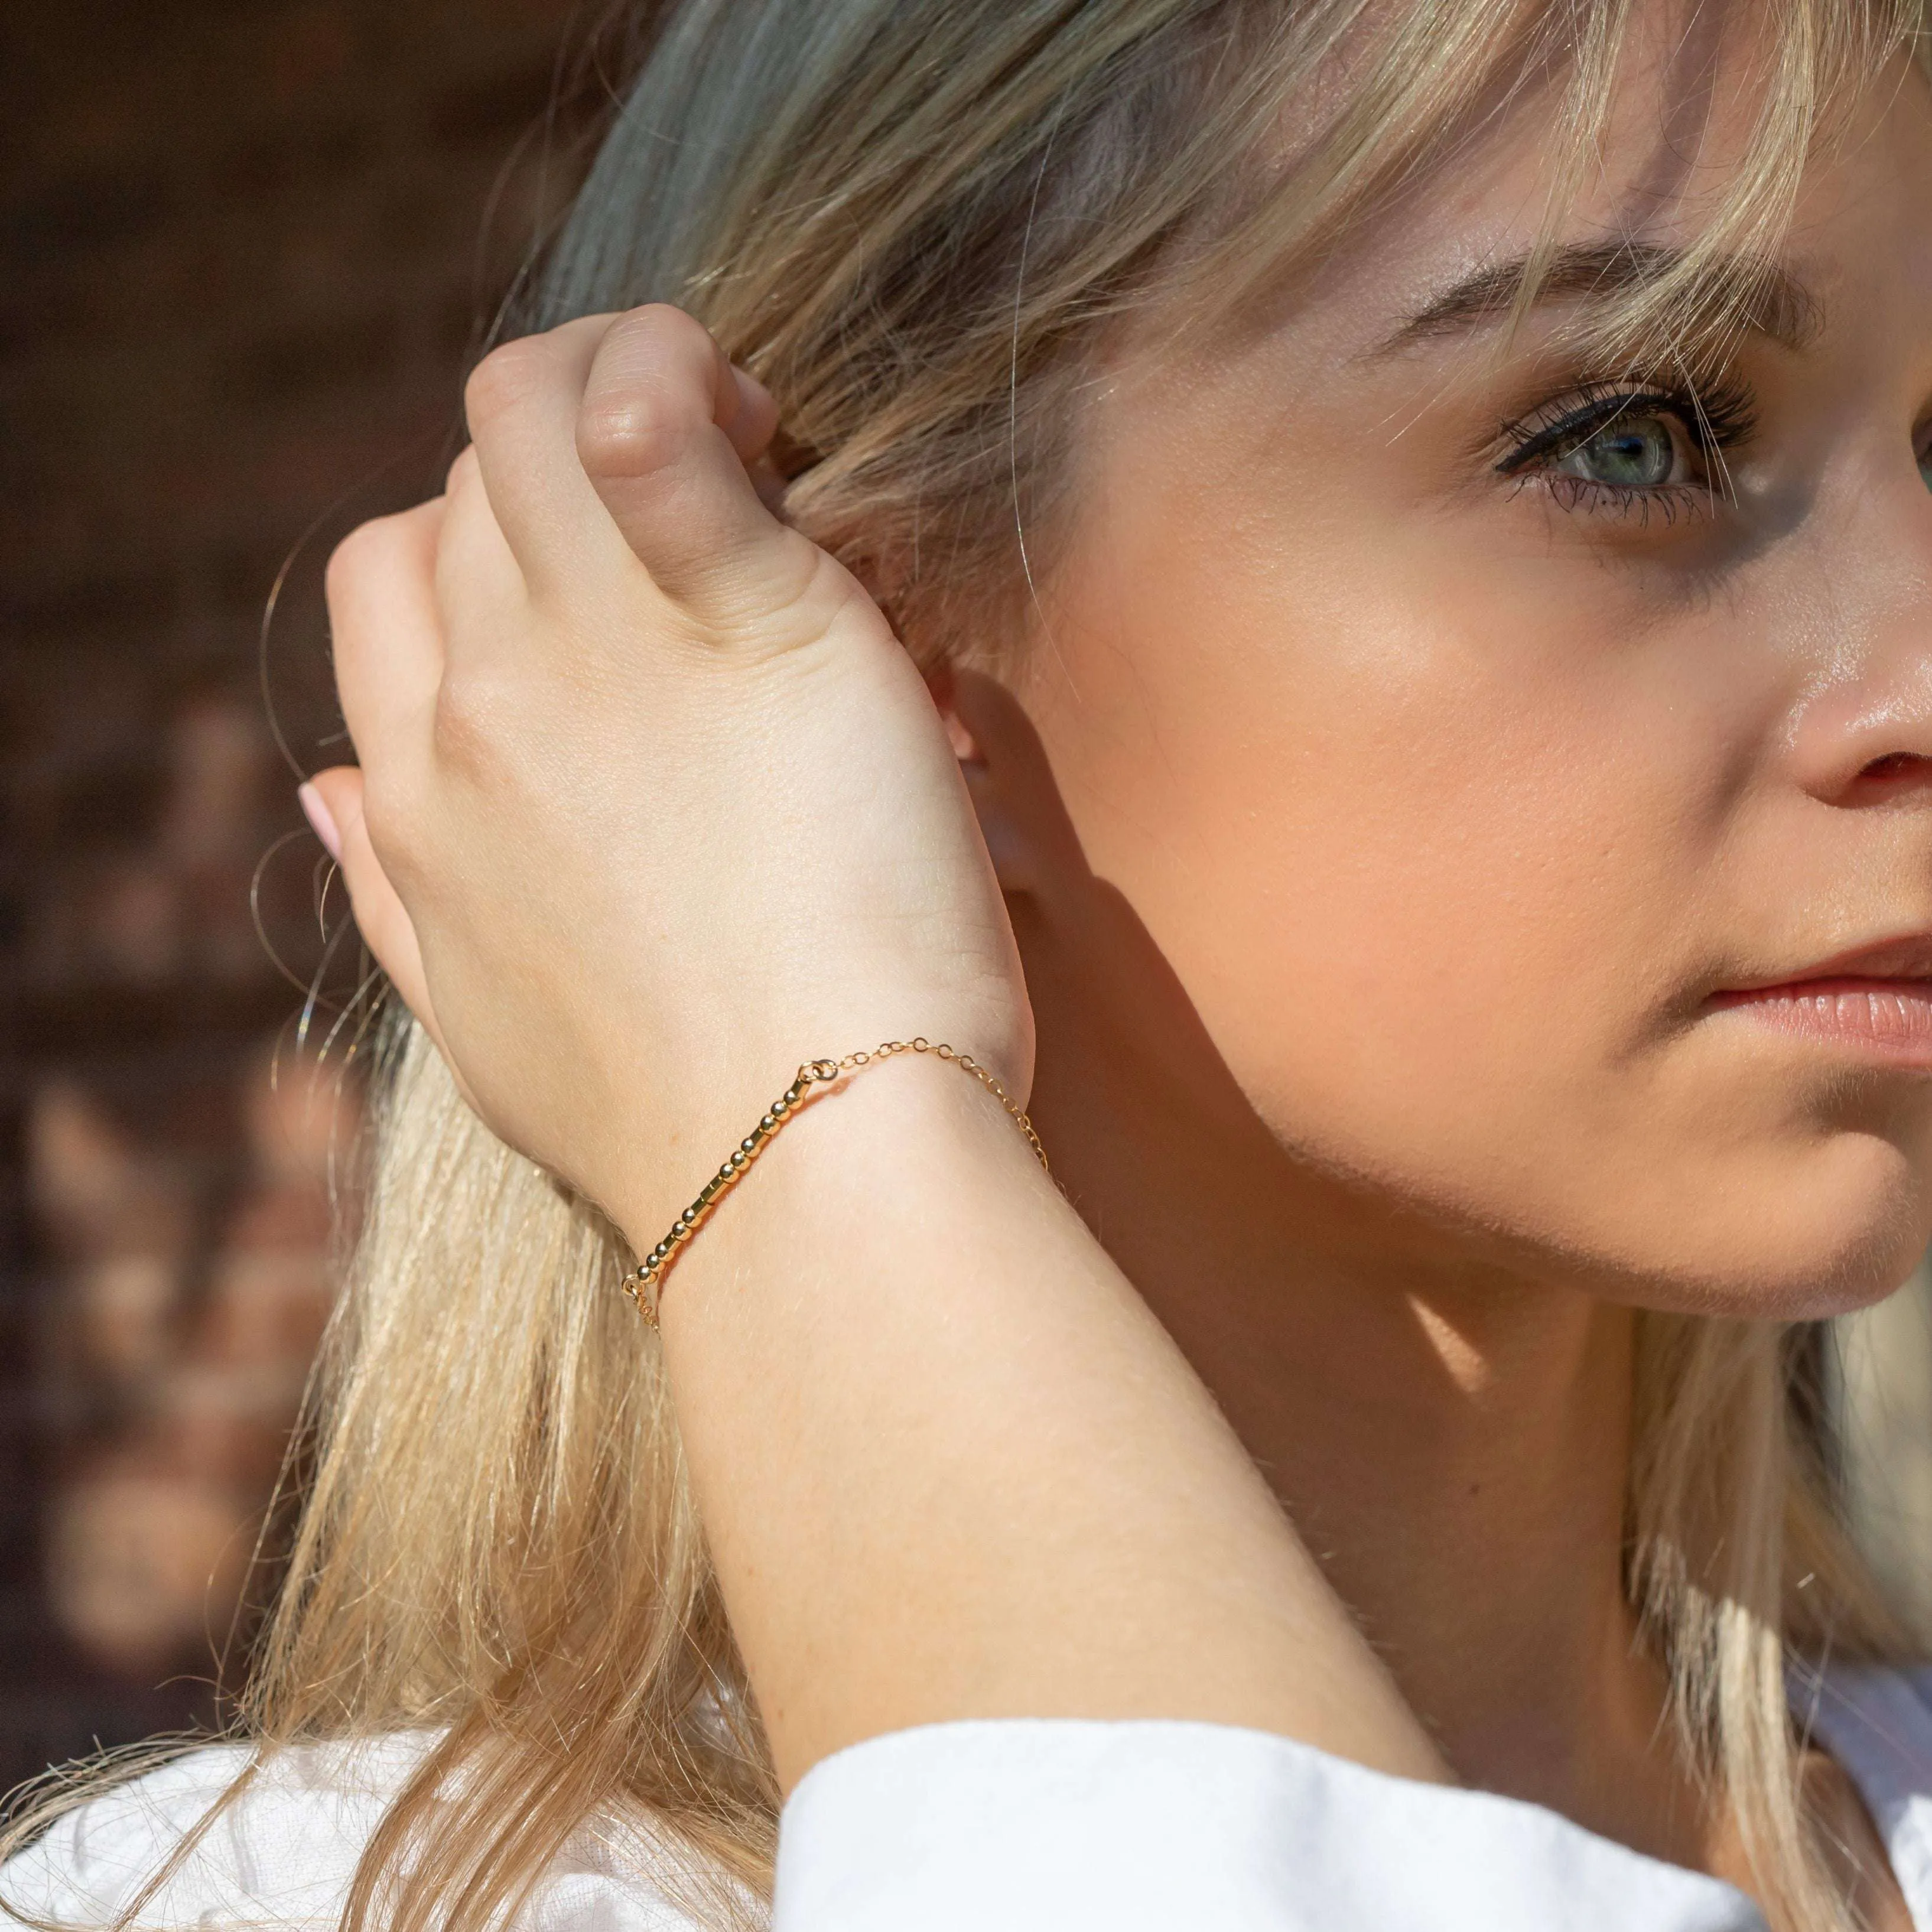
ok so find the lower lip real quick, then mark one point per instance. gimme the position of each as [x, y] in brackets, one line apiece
[1884, 1019]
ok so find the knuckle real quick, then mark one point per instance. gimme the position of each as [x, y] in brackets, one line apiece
[504, 378]
[468, 728]
[350, 562]
[652, 395]
[672, 329]
[634, 432]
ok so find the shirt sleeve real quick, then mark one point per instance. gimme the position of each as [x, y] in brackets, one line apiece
[281, 1856]
[1877, 1723]
[1062, 1825]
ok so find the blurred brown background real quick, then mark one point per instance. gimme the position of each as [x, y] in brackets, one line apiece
[247, 250]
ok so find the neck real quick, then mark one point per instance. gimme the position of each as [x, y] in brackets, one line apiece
[1452, 1439]
[1456, 1455]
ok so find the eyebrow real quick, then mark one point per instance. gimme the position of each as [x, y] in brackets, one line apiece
[1771, 301]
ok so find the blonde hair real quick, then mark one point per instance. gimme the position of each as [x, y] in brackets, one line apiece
[913, 219]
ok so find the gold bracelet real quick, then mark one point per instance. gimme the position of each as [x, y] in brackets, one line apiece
[641, 1284]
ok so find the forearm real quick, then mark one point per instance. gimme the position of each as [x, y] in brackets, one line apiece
[626, 737]
[950, 1466]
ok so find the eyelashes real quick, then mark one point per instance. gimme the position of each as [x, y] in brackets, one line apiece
[1630, 448]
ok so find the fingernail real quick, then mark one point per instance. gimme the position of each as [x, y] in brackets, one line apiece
[321, 819]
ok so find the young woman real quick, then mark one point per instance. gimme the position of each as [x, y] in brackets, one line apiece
[1413, 516]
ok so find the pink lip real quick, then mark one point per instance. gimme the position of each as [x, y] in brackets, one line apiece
[1876, 1000]
[1891, 1019]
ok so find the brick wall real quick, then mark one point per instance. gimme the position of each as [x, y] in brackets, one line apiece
[247, 246]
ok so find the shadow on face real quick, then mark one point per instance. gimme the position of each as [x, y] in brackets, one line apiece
[1472, 809]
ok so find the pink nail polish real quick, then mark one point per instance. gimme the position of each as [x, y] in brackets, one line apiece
[321, 819]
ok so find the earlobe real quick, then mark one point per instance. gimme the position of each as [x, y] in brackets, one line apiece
[965, 746]
[943, 683]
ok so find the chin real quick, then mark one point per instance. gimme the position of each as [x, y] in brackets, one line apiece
[1844, 1232]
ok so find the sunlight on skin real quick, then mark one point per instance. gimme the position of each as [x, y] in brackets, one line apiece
[1451, 797]
[1434, 762]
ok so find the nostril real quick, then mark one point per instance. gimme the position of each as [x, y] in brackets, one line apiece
[1895, 765]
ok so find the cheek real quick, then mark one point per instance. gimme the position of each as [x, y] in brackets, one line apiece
[1442, 875]
[1409, 842]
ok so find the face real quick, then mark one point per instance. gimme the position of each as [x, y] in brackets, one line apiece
[1526, 768]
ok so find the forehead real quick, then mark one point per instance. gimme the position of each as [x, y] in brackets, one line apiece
[1664, 170]
[1306, 359]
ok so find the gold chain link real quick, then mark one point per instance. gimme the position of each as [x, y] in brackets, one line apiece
[642, 1283]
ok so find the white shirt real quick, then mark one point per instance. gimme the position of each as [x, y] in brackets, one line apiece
[1025, 1826]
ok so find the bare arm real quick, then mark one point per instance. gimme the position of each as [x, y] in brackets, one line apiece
[950, 1465]
[651, 808]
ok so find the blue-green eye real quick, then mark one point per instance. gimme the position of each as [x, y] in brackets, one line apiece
[1634, 452]
[1925, 461]
[1615, 447]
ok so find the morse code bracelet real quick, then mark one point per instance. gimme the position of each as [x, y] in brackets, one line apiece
[642, 1283]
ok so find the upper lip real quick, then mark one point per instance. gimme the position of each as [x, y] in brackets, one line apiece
[1908, 956]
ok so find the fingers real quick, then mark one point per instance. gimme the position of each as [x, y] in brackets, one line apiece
[381, 917]
[643, 412]
[753, 418]
[481, 595]
[522, 402]
[386, 633]
[665, 433]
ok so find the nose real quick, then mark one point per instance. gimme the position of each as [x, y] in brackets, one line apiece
[1881, 755]
[1863, 735]
[1889, 777]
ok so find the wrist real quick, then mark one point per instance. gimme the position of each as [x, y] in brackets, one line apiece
[850, 1128]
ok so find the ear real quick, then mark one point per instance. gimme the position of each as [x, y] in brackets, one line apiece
[942, 680]
[1022, 817]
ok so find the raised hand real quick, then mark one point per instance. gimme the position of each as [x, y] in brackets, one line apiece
[652, 806]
